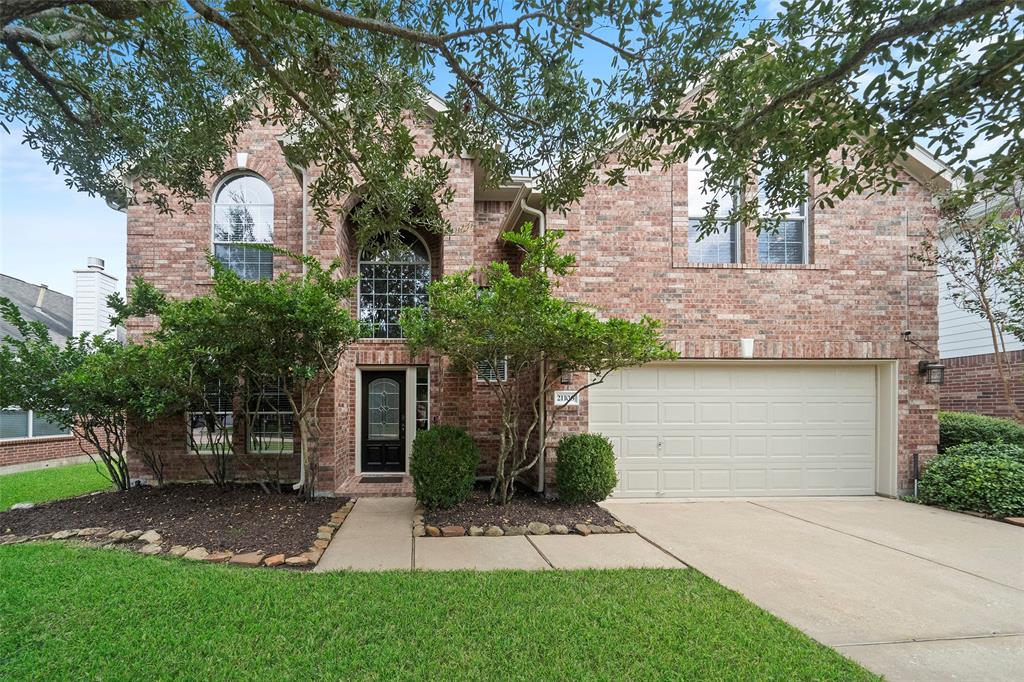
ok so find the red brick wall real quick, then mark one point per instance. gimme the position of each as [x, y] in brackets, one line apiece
[973, 384]
[28, 450]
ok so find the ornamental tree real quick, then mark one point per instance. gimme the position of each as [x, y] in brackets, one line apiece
[581, 90]
[516, 322]
[249, 338]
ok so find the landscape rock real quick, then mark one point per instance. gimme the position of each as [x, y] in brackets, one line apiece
[418, 531]
[117, 535]
[433, 531]
[1015, 520]
[612, 529]
[151, 537]
[11, 539]
[298, 561]
[217, 557]
[538, 528]
[559, 529]
[274, 560]
[90, 532]
[23, 505]
[582, 528]
[325, 529]
[64, 534]
[134, 534]
[333, 524]
[476, 531]
[453, 531]
[247, 559]
[494, 532]
[515, 530]
[321, 544]
[629, 529]
[314, 554]
[151, 549]
[595, 529]
[323, 536]
[179, 550]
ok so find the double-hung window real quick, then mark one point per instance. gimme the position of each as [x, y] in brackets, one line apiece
[18, 423]
[788, 243]
[722, 245]
[271, 422]
[243, 215]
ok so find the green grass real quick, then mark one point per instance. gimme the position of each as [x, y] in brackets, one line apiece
[50, 484]
[74, 613]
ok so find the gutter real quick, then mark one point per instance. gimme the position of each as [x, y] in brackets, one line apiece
[543, 435]
[305, 248]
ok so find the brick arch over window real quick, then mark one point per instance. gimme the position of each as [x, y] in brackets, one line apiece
[243, 215]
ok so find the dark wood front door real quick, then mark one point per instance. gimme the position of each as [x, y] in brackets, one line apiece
[383, 422]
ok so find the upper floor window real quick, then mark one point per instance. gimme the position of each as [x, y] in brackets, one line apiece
[788, 244]
[243, 213]
[721, 246]
[391, 277]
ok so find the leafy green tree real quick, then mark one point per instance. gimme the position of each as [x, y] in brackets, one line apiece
[582, 90]
[516, 322]
[93, 386]
[245, 337]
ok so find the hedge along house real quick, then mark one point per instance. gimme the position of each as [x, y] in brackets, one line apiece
[796, 377]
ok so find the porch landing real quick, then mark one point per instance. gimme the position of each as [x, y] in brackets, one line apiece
[362, 485]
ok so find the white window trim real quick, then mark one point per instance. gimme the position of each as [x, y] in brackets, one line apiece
[699, 213]
[359, 288]
[30, 428]
[805, 220]
[410, 415]
[213, 210]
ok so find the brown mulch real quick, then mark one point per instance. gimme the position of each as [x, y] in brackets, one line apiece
[525, 507]
[242, 518]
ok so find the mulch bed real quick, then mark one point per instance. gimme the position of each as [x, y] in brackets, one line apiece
[525, 507]
[242, 518]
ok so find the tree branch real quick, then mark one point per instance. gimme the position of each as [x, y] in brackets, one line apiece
[45, 82]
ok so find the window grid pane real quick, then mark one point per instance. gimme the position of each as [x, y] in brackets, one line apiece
[719, 247]
[422, 399]
[243, 213]
[784, 246]
[44, 427]
[391, 279]
[13, 424]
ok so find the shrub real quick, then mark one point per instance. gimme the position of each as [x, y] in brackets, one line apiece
[981, 477]
[443, 466]
[956, 428]
[585, 469]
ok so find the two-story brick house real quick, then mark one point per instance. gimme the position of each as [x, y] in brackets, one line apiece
[796, 378]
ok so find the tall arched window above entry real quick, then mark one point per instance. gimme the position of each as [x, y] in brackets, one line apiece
[392, 277]
[243, 214]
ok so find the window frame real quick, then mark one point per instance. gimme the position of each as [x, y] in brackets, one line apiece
[799, 213]
[214, 242]
[695, 214]
[30, 427]
[501, 375]
[360, 262]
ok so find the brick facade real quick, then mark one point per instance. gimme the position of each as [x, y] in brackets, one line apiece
[862, 288]
[21, 451]
[973, 384]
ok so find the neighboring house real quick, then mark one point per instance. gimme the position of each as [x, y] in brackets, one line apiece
[829, 400]
[27, 439]
[967, 351]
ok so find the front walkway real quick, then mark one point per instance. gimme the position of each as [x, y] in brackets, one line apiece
[911, 592]
[377, 535]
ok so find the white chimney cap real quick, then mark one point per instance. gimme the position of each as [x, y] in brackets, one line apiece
[94, 263]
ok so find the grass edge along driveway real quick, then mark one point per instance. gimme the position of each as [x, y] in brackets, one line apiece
[43, 485]
[74, 613]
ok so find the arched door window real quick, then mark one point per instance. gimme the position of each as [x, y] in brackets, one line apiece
[243, 214]
[391, 278]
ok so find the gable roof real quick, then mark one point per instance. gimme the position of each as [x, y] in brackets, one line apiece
[37, 303]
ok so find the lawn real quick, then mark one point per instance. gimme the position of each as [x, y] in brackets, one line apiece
[50, 484]
[77, 613]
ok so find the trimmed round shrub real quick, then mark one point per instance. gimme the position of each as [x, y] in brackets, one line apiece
[957, 428]
[980, 477]
[443, 466]
[585, 469]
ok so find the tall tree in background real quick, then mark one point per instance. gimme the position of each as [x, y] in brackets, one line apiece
[577, 91]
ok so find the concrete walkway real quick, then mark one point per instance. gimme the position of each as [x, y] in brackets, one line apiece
[378, 536]
[911, 592]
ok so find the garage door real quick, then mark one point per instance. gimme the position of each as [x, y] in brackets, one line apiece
[704, 430]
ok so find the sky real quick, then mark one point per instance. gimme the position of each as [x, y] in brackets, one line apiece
[48, 230]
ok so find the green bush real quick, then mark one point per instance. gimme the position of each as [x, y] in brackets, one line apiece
[957, 428]
[980, 477]
[443, 466]
[585, 468]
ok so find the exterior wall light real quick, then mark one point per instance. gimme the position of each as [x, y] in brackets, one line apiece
[566, 378]
[934, 372]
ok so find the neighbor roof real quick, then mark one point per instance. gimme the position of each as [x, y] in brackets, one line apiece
[52, 308]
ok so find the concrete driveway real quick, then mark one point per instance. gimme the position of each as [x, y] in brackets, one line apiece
[910, 592]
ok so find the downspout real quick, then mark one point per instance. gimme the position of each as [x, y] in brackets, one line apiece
[305, 248]
[543, 435]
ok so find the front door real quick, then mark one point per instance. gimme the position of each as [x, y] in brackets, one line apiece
[383, 422]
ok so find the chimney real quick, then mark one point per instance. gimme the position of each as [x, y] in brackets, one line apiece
[92, 287]
[41, 297]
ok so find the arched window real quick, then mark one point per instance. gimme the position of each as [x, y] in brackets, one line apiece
[243, 213]
[391, 278]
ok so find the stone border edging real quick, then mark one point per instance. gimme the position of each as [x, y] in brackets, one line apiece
[152, 544]
[421, 529]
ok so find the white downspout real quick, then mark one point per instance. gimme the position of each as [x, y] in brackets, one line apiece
[541, 230]
[305, 248]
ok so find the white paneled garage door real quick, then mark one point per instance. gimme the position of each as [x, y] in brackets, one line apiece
[706, 429]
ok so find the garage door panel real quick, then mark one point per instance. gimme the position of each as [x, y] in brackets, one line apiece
[701, 430]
